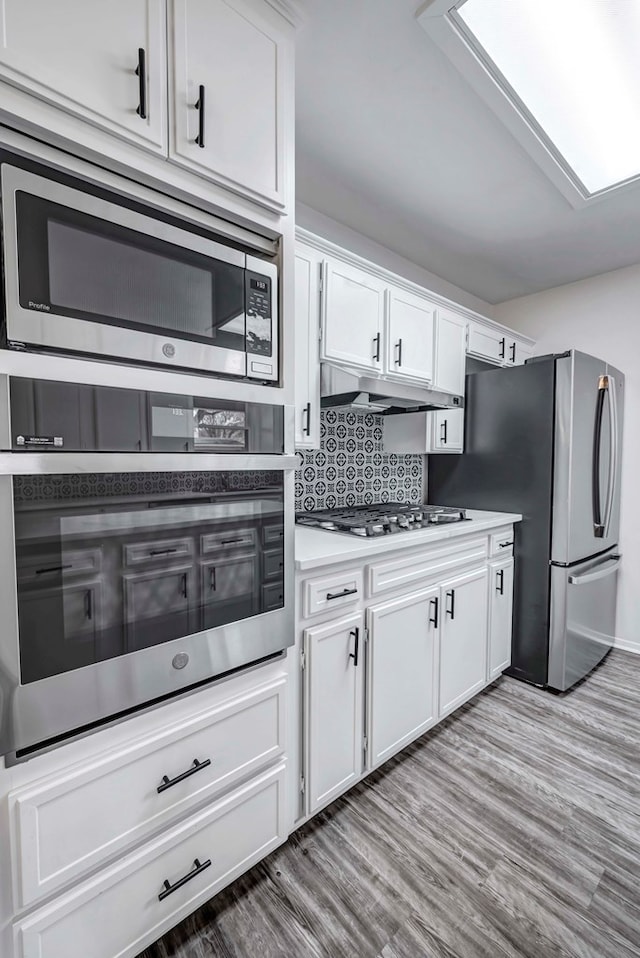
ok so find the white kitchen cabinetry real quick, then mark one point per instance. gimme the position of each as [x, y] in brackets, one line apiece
[83, 57]
[353, 316]
[451, 334]
[307, 343]
[487, 344]
[227, 61]
[403, 669]
[523, 351]
[424, 432]
[463, 638]
[500, 616]
[409, 336]
[335, 665]
[447, 431]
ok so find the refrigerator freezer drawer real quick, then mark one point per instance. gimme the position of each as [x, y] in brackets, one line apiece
[583, 610]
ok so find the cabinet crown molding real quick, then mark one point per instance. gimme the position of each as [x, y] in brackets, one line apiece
[293, 10]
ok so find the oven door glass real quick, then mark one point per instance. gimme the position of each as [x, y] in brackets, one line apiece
[113, 563]
[71, 263]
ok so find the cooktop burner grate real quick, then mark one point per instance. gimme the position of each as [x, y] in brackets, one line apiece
[381, 519]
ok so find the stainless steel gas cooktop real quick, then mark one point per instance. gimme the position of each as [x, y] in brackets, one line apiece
[380, 519]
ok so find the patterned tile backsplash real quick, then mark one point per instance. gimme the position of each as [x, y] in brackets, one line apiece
[351, 469]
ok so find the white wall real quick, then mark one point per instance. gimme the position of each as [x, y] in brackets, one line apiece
[600, 316]
[341, 235]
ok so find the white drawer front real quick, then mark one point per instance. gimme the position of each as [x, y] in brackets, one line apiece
[501, 542]
[332, 592]
[77, 821]
[416, 567]
[117, 913]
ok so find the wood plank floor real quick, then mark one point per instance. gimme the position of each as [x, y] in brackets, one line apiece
[512, 829]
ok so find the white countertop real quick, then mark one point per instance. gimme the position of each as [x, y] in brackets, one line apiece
[319, 547]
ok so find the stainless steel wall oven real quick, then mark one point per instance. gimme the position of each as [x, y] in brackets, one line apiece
[146, 547]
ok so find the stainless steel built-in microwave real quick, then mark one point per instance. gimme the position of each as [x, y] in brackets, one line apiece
[94, 271]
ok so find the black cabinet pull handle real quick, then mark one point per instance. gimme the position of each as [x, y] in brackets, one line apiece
[53, 568]
[200, 108]
[500, 578]
[88, 605]
[433, 620]
[513, 352]
[196, 767]
[399, 348]
[162, 552]
[354, 655]
[452, 609]
[141, 73]
[443, 432]
[503, 346]
[306, 418]
[212, 579]
[339, 595]
[376, 355]
[505, 545]
[185, 591]
[197, 870]
[228, 542]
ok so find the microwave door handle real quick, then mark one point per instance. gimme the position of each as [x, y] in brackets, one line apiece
[595, 462]
[613, 453]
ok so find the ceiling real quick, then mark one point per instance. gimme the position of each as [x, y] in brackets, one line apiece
[393, 142]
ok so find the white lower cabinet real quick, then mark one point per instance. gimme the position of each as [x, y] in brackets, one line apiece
[121, 910]
[500, 616]
[463, 638]
[335, 708]
[403, 668]
[447, 431]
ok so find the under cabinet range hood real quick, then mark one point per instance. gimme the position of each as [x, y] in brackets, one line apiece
[342, 388]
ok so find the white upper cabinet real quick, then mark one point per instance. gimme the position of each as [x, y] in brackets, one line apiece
[447, 430]
[353, 320]
[227, 98]
[409, 336]
[83, 58]
[495, 345]
[451, 333]
[307, 341]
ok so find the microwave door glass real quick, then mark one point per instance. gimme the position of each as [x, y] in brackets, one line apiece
[82, 266]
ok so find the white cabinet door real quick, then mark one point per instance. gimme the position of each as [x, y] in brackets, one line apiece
[228, 62]
[403, 668]
[521, 352]
[410, 336]
[488, 344]
[463, 638]
[353, 316]
[307, 336]
[451, 334]
[335, 708]
[83, 57]
[500, 616]
[447, 430]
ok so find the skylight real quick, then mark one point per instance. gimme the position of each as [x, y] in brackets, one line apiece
[572, 69]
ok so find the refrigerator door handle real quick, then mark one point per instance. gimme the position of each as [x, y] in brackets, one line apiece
[598, 524]
[613, 452]
[608, 567]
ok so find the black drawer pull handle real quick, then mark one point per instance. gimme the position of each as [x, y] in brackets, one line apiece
[162, 552]
[200, 109]
[228, 542]
[340, 595]
[196, 767]
[141, 73]
[53, 568]
[197, 870]
[433, 620]
[452, 609]
[354, 655]
[505, 545]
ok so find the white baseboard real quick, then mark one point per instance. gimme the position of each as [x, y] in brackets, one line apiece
[625, 646]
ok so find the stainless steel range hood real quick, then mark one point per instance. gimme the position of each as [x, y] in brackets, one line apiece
[342, 388]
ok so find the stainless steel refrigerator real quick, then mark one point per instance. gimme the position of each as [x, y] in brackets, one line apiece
[544, 439]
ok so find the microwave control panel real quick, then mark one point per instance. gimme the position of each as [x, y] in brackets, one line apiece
[259, 315]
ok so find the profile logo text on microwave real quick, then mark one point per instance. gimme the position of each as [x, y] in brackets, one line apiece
[44, 306]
